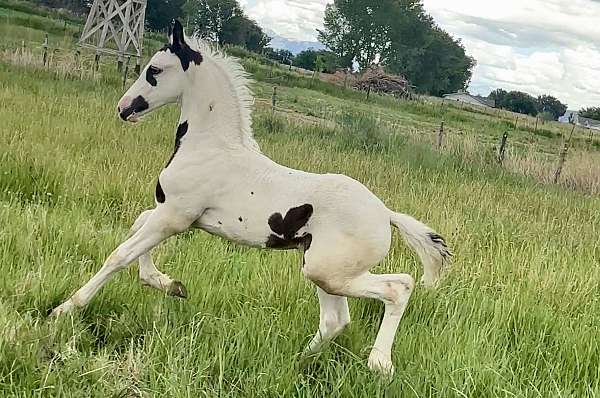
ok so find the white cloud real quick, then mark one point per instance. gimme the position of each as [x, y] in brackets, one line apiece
[292, 19]
[537, 46]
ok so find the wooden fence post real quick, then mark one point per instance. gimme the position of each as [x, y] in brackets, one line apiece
[126, 71]
[502, 148]
[138, 66]
[368, 92]
[516, 121]
[97, 61]
[274, 98]
[45, 45]
[440, 140]
[537, 118]
[563, 156]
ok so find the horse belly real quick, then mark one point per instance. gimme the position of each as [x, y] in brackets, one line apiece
[242, 229]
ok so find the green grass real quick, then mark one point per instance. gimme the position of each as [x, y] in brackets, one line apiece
[517, 315]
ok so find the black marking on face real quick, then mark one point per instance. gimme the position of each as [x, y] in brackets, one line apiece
[286, 228]
[240, 219]
[138, 105]
[160, 194]
[181, 131]
[219, 222]
[151, 73]
[251, 193]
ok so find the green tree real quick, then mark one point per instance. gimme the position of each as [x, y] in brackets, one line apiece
[551, 105]
[312, 59]
[590, 113]
[520, 102]
[223, 21]
[280, 55]
[400, 35]
[160, 13]
[499, 96]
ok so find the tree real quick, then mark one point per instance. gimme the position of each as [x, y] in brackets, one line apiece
[223, 21]
[400, 35]
[499, 96]
[520, 102]
[307, 59]
[551, 105]
[590, 113]
[280, 55]
[160, 13]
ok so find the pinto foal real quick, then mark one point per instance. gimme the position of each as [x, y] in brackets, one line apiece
[218, 180]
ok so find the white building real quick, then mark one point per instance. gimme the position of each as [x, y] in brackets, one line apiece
[465, 97]
[574, 118]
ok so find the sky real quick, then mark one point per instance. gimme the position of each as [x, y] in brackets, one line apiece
[537, 46]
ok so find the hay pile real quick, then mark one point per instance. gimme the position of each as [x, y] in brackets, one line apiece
[381, 82]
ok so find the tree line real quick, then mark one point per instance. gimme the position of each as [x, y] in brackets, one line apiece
[546, 106]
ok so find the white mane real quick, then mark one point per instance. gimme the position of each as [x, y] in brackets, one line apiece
[239, 82]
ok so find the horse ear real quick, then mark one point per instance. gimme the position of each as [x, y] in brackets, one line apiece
[176, 36]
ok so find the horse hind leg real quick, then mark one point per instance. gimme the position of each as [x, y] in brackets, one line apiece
[149, 274]
[394, 290]
[334, 317]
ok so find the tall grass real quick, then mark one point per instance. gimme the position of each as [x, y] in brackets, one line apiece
[516, 316]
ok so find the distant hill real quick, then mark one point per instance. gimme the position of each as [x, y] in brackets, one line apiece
[292, 45]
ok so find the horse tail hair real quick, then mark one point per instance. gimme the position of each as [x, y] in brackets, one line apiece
[428, 244]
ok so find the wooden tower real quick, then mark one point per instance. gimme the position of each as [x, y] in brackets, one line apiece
[115, 27]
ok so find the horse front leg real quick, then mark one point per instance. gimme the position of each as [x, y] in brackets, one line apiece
[149, 274]
[160, 224]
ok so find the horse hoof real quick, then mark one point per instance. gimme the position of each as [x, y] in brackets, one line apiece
[177, 289]
[380, 364]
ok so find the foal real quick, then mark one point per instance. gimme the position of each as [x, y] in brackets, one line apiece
[218, 180]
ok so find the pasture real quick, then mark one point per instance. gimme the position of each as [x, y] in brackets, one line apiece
[517, 315]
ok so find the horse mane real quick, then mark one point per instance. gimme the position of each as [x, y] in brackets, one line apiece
[239, 85]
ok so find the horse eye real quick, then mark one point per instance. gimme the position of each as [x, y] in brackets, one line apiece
[154, 70]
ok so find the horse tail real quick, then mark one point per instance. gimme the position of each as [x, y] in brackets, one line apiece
[428, 244]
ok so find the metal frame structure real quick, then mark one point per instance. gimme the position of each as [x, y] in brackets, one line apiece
[113, 26]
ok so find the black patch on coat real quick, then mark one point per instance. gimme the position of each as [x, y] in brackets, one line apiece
[160, 194]
[286, 228]
[300, 242]
[151, 72]
[139, 104]
[182, 129]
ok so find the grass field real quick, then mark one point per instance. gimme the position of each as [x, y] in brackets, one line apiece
[517, 316]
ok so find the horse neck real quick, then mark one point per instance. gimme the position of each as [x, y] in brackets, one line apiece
[212, 110]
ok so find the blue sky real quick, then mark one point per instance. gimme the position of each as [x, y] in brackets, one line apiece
[537, 46]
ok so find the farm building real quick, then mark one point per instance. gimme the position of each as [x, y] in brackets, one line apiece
[574, 118]
[464, 96]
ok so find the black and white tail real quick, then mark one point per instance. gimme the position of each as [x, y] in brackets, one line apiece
[430, 246]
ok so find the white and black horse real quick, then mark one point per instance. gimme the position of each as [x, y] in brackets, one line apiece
[218, 180]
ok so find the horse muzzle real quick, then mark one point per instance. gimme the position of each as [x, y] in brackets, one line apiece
[131, 109]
